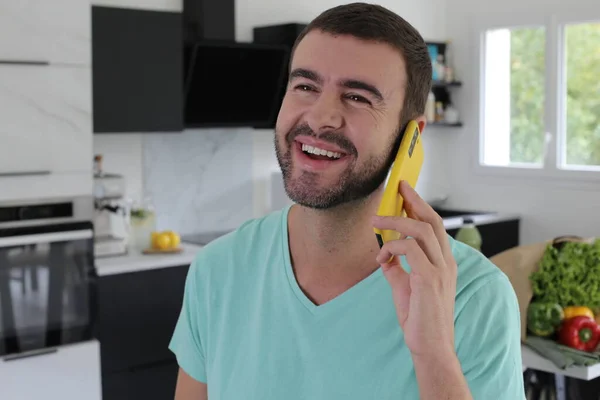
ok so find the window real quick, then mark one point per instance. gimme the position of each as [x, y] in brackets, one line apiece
[540, 103]
[514, 96]
[582, 96]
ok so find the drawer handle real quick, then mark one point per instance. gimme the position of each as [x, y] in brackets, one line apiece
[24, 62]
[28, 354]
[24, 173]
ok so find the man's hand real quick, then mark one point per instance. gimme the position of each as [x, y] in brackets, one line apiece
[424, 298]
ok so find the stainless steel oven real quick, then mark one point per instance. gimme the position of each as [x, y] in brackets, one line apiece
[47, 275]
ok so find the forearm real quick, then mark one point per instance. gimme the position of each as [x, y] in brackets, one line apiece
[441, 378]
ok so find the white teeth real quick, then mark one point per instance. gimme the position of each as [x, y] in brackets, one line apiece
[320, 152]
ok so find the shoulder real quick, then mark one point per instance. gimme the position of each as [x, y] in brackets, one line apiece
[487, 326]
[477, 274]
[240, 247]
[248, 237]
[486, 303]
[483, 291]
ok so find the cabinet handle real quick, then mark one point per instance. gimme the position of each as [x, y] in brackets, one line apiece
[24, 173]
[24, 62]
[28, 354]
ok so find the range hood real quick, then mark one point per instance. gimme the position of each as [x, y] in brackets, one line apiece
[227, 83]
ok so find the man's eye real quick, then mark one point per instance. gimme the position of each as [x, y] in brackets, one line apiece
[304, 88]
[360, 99]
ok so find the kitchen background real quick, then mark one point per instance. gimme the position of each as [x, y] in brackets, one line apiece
[87, 85]
[175, 169]
[210, 170]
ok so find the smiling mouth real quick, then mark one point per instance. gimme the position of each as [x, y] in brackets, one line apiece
[317, 153]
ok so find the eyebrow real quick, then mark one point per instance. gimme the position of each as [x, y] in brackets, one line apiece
[356, 84]
[348, 83]
[305, 73]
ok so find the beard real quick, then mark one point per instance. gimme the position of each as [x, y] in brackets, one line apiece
[354, 184]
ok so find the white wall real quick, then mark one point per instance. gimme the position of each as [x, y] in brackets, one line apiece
[428, 15]
[549, 208]
[123, 153]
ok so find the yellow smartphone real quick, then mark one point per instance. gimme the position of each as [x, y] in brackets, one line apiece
[406, 167]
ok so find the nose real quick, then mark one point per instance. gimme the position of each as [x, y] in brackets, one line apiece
[325, 113]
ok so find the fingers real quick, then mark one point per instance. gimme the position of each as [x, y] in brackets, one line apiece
[422, 232]
[419, 209]
[415, 256]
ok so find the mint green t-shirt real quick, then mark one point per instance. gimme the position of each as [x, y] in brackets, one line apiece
[248, 331]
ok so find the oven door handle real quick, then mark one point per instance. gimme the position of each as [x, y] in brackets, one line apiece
[37, 238]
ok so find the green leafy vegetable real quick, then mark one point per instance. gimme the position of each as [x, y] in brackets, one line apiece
[569, 275]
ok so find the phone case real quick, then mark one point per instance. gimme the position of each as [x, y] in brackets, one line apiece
[406, 167]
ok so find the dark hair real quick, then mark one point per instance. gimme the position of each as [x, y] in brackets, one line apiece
[375, 23]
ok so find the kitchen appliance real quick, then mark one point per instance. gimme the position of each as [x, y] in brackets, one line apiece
[245, 80]
[281, 34]
[47, 299]
[110, 213]
[229, 71]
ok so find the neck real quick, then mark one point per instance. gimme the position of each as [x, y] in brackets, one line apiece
[339, 239]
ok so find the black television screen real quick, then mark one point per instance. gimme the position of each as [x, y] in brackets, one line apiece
[233, 84]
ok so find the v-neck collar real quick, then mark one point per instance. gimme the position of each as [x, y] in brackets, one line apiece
[343, 300]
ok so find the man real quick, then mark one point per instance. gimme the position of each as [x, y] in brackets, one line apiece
[302, 303]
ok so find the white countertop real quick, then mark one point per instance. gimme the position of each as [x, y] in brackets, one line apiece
[134, 262]
[482, 219]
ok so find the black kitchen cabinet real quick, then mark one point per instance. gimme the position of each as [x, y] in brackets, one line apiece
[137, 313]
[137, 70]
[155, 382]
[496, 236]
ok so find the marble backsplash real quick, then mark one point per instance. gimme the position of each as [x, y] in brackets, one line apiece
[200, 180]
[206, 180]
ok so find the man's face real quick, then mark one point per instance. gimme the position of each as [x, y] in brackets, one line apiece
[343, 102]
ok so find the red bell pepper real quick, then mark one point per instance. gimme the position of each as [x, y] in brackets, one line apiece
[581, 332]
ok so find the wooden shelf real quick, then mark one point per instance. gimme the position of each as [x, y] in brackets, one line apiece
[531, 359]
[445, 124]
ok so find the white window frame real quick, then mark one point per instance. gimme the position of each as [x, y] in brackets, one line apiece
[554, 84]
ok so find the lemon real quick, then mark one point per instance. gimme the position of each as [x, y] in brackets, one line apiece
[162, 241]
[175, 239]
[153, 239]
